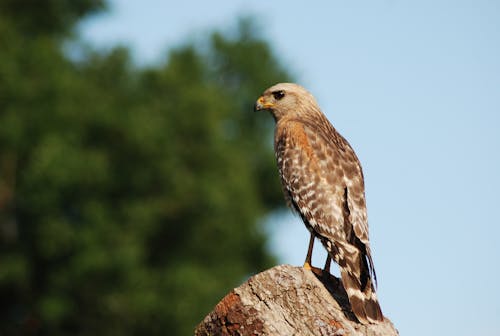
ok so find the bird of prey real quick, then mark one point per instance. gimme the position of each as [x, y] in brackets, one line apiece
[323, 182]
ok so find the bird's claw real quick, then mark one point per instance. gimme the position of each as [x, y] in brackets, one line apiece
[315, 270]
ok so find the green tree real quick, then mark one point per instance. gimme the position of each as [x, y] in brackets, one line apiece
[130, 198]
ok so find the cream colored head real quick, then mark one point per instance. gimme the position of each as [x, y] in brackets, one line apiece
[287, 100]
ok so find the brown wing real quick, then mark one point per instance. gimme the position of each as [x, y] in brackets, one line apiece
[334, 151]
[309, 190]
[322, 177]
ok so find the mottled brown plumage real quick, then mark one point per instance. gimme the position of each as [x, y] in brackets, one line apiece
[323, 181]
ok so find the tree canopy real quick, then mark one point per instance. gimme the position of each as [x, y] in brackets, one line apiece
[131, 198]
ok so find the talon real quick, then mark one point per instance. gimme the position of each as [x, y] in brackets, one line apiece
[315, 270]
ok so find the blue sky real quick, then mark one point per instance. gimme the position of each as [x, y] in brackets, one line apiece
[415, 88]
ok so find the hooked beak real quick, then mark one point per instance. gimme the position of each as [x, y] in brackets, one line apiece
[261, 104]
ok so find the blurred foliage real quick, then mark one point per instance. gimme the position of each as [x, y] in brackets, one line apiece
[46, 17]
[130, 198]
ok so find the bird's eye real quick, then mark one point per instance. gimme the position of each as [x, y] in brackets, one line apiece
[278, 94]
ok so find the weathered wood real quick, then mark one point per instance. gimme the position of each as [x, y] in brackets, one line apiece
[287, 300]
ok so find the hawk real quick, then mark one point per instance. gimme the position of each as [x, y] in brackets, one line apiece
[323, 182]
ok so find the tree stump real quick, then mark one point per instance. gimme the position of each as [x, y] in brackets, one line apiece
[287, 300]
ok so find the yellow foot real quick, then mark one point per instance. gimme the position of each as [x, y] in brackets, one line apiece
[315, 270]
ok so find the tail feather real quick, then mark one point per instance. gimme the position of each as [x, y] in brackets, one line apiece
[358, 277]
[364, 303]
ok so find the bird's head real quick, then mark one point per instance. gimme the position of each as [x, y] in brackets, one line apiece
[286, 99]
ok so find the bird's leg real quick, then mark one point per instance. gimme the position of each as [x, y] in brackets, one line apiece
[307, 263]
[327, 264]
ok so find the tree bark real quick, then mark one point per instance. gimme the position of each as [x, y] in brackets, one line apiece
[287, 300]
